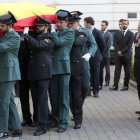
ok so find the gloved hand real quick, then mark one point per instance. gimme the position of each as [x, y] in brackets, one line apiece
[52, 28]
[87, 56]
[26, 29]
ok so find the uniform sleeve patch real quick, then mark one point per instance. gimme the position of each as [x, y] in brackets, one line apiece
[82, 36]
[47, 40]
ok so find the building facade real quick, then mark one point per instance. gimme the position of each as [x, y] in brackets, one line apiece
[111, 10]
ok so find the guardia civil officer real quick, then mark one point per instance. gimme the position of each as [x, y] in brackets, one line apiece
[9, 74]
[40, 70]
[59, 93]
[77, 71]
[89, 48]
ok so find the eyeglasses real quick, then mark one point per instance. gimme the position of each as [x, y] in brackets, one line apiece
[102, 25]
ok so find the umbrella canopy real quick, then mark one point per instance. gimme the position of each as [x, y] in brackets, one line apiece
[26, 13]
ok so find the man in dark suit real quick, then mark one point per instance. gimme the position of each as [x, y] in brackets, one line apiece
[24, 86]
[123, 44]
[137, 35]
[40, 70]
[137, 62]
[106, 54]
[96, 60]
[121, 28]
[77, 71]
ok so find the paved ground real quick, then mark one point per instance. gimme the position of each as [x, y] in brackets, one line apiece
[110, 117]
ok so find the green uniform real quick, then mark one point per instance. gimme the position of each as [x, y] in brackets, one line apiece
[9, 73]
[59, 93]
[89, 47]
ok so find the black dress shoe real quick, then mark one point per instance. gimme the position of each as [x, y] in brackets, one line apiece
[114, 88]
[24, 123]
[61, 130]
[124, 88]
[107, 84]
[72, 119]
[100, 87]
[96, 95]
[17, 94]
[137, 112]
[77, 126]
[39, 132]
[35, 124]
[4, 135]
[89, 94]
[53, 125]
[16, 133]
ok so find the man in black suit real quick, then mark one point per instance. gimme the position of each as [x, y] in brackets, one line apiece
[77, 71]
[106, 54]
[137, 62]
[40, 70]
[123, 44]
[136, 38]
[121, 28]
[96, 60]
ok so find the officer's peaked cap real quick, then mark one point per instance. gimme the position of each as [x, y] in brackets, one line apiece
[8, 18]
[76, 13]
[63, 15]
[42, 21]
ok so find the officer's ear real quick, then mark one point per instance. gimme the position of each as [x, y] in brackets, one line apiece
[66, 22]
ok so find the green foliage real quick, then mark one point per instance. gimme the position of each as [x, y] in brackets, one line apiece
[132, 70]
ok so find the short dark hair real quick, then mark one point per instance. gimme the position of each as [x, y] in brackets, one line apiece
[89, 20]
[106, 22]
[121, 20]
[126, 20]
[10, 24]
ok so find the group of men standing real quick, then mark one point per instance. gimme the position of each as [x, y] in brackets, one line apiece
[55, 62]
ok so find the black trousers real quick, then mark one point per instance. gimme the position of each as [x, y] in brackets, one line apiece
[24, 87]
[126, 63]
[95, 75]
[138, 87]
[16, 87]
[40, 88]
[105, 63]
[76, 98]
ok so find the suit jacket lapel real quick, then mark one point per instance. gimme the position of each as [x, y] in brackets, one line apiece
[126, 35]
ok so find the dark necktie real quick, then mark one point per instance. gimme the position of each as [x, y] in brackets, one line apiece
[123, 32]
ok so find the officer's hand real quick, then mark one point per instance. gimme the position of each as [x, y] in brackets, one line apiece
[120, 53]
[26, 30]
[52, 28]
[87, 56]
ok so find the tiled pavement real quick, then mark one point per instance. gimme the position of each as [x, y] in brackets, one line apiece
[110, 117]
